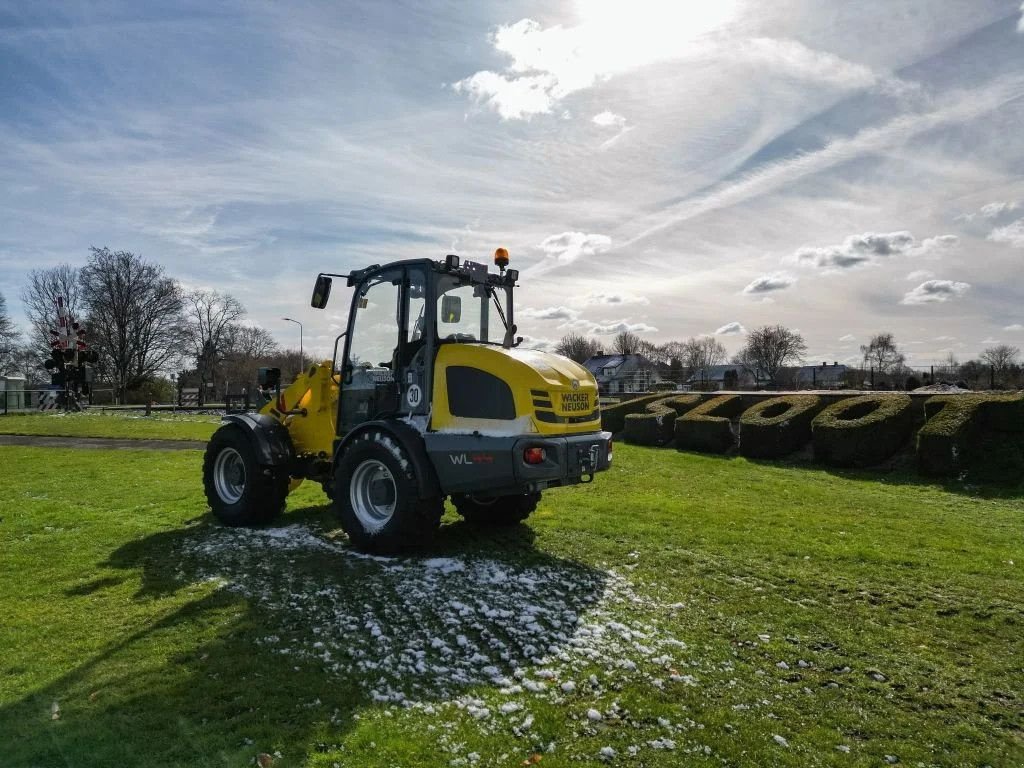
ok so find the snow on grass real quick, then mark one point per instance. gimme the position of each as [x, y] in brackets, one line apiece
[427, 628]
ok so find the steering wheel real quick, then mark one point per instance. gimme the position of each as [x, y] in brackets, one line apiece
[460, 337]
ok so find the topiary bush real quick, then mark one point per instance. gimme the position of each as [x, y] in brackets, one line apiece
[707, 427]
[655, 426]
[863, 430]
[613, 416]
[968, 430]
[779, 426]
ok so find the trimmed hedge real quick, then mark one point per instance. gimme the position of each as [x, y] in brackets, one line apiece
[863, 430]
[970, 429]
[613, 416]
[656, 425]
[779, 426]
[707, 427]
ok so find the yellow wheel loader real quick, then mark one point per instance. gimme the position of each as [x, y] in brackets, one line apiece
[432, 397]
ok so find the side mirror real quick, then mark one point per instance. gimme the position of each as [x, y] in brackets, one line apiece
[321, 292]
[451, 309]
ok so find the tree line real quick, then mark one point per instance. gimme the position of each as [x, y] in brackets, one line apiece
[144, 325]
[771, 350]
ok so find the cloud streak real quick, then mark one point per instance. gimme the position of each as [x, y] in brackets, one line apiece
[959, 107]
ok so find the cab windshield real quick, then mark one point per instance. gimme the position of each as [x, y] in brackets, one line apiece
[471, 312]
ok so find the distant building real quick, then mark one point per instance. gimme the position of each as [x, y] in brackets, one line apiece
[618, 374]
[822, 376]
[718, 377]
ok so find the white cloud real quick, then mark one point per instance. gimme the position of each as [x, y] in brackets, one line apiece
[848, 338]
[777, 281]
[991, 210]
[1012, 234]
[920, 274]
[989, 340]
[873, 248]
[608, 119]
[567, 247]
[615, 298]
[731, 329]
[544, 345]
[549, 313]
[549, 63]
[934, 291]
[1015, 328]
[1020, 24]
[618, 326]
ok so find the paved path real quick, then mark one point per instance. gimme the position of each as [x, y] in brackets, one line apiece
[107, 443]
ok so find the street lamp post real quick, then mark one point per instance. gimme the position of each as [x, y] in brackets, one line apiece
[302, 357]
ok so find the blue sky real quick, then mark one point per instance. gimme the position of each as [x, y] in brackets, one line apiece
[671, 168]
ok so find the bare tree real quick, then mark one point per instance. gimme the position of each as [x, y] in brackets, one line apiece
[133, 316]
[39, 296]
[211, 319]
[577, 347]
[247, 349]
[1001, 357]
[9, 337]
[882, 354]
[770, 348]
[702, 352]
[627, 343]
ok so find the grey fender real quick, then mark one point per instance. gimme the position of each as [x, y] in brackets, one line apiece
[269, 437]
[412, 443]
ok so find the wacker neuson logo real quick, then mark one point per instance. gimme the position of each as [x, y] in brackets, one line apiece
[575, 401]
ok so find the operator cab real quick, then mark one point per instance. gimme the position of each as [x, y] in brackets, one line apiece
[401, 314]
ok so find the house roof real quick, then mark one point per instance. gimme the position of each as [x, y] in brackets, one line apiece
[598, 363]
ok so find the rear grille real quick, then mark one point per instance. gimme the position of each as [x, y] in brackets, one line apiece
[551, 418]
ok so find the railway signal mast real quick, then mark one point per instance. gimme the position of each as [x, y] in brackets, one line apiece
[70, 359]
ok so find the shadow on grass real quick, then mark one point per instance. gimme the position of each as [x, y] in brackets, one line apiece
[278, 636]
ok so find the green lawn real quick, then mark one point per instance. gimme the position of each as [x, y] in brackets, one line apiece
[708, 610]
[161, 425]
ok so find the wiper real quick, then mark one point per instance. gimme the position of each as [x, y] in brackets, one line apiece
[509, 332]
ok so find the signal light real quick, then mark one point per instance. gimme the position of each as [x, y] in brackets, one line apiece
[451, 262]
[534, 455]
[501, 258]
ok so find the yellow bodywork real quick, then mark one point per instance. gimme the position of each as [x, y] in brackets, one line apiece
[314, 395]
[552, 395]
[569, 407]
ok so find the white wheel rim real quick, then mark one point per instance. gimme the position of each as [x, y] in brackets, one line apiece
[229, 475]
[373, 494]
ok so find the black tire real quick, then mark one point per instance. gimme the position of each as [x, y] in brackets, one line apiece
[496, 510]
[239, 490]
[377, 497]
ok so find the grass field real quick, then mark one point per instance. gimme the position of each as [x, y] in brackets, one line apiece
[680, 610]
[160, 425]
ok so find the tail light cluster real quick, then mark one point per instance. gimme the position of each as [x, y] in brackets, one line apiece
[534, 455]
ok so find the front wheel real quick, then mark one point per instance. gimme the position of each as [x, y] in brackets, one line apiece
[239, 490]
[377, 498]
[495, 510]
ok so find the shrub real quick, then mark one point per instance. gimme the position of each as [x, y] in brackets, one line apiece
[707, 427]
[968, 430]
[778, 426]
[863, 430]
[613, 416]
[656, 424]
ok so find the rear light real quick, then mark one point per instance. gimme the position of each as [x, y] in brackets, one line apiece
[534, 455]
[609, 450]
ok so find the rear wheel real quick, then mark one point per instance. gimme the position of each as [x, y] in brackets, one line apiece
[376, 496]
[238, 489]
[496, 510]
